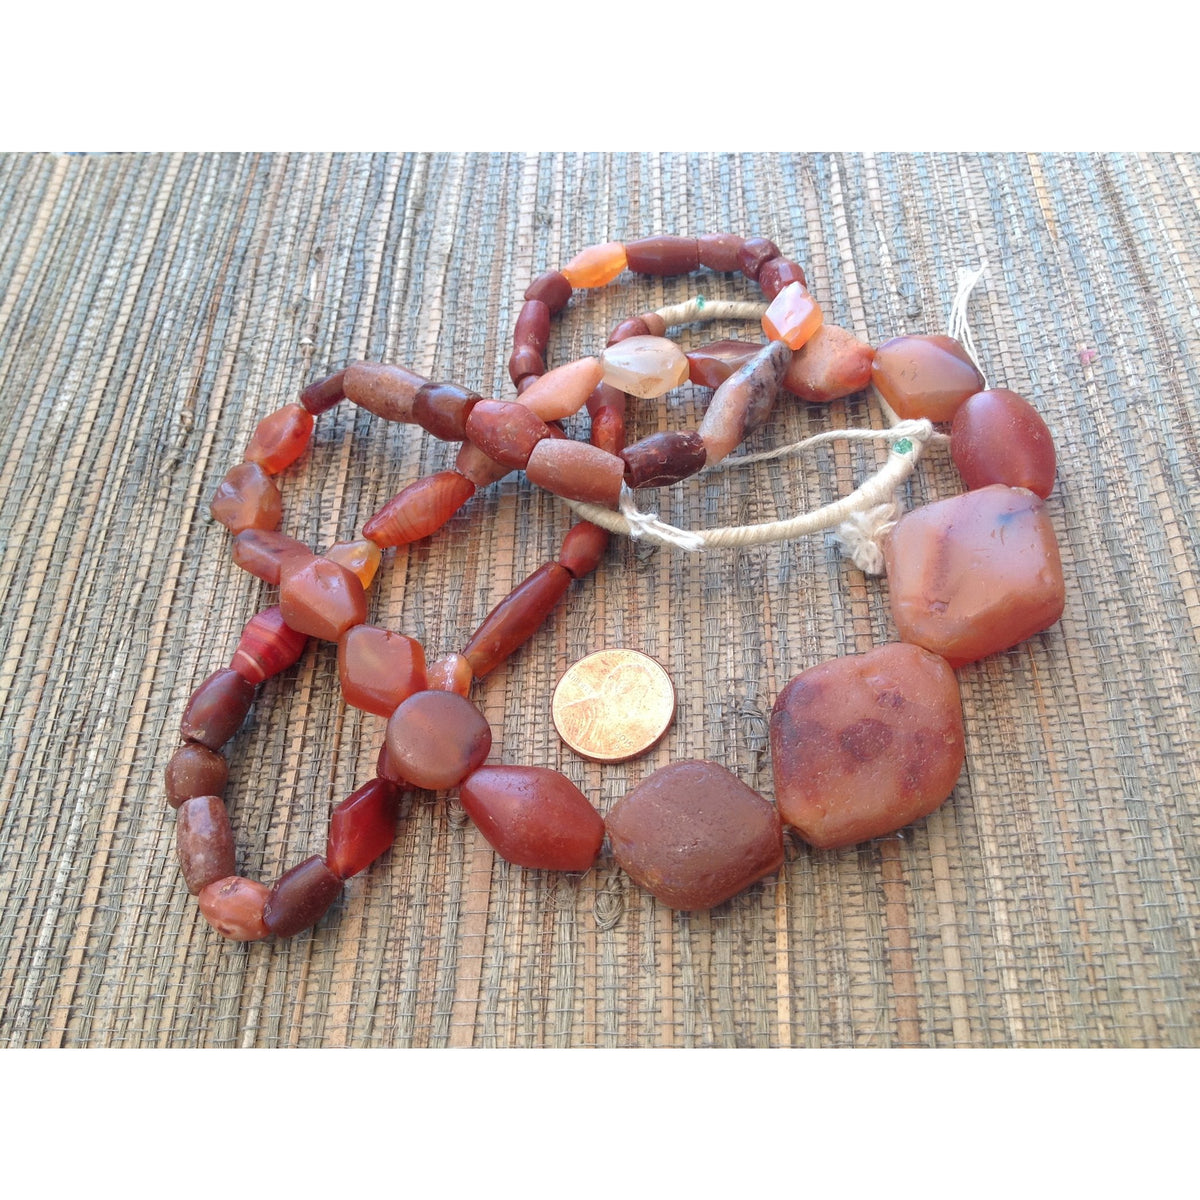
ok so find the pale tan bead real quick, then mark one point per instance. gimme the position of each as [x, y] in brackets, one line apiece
[744, 401]
[577, 471]
[644, 366]
[564, 391]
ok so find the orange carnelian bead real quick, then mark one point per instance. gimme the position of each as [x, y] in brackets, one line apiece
[247, 498]
[925, 375]
[362, 828]
[436, 739]
[267, 646]
[596, 266]
[421, 509]
[233, 906]
[516, 618]
[361, 556]
[450, 673]
[262, 551]
[321, 598]
[281, 438]
[563, 391]
[793, 316]
[379, 669]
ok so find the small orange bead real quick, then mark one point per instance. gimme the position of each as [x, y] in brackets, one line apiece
[596, 266]
[450, 673]
[361, 556]
[281, 438]
[793, 316]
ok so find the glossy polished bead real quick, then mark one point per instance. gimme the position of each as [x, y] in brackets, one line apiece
[925, 375]
[710, 365]
[204, 841]
[195, 770]
[694, 835]
[533, 817]
[604, 396]
[321, 598]
[754, 254]
[564, 391]
[324, 393]
[744, 401]
[866, 744]
[998, 437]
[506, 432]
[267, 646]
[644, 366]
[577, 471]
[386, 391]
[720, 251]
[361, 556]
[379, 669]
[776, 273]
[552, 288]
[247, 498]
[280, 438]
[583, 548]
[436, 739]
[301, 897]
[262, 551]
[217, 708]
[608, 430]
[420, 510]
[630, 327]
[362, 828]
[443, 408]
[832, 364]
[792, 317]
[663, 458]
[516, 618]
[450, 673]
[595, 266]
[655, 325]
[663, 255]
[233, 906]
[525, 363]
[975, 574]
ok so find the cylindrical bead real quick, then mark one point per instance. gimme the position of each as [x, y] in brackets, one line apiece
[421, 509]
[663, 255]
[663, 458]
[379, 669]
[630, 327]
[533, 326]
[450, 673]
[744, 401]
[217, 708]
[754, 253]
[476, 467]
[527, 381]
[280, 438]
[604, 395]
[233, 906]
[719, 251]
[608, 430]
[262, 551]
[505, 431]
[204, 841]
[324, 393]
[247, 498]
[267, 646]
[360, 556]
[644, 366]
[443, 408]
[577, 471]
[563, 391]
[195, 770]
[552, 288]
[998, 437]
[362, 828]
[525, 362]
[595, 266]
[516, 618]
[776, 273]
[583, 548]
[321, 598]
[386, 391]
[436, 739]
[301, 897]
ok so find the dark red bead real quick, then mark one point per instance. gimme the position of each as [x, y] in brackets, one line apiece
[217, 708]
[301, 897]
[362, 828]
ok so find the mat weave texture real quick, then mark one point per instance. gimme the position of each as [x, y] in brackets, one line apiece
[154, 309]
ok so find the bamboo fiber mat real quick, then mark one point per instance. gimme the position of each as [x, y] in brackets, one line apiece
[153, 309]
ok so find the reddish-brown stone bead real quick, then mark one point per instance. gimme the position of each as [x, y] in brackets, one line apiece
[217, 708]
[301, 897]
[720, 251]
[505, 432]
[386, 391]
[744, 401]
[195, 770]
[604, 395]
[595, 266]
[476, 467]
[833, 363]
[233, 906]
[975, 574]
[776, 273]
[268, 645]
[552, 288]
[655, 325]
[533, 326]
[525, 362]
[516, 618]
[793, 316]
[420, 510]
[379, 669]
[998, 437]
[663, 458]
[325, 393]
[362, 828]
[630, 327]
[694, 835]
[450, 673]
[527, 381]
[533, 817]
[262, 551]
[563, 391]
[443, 408]
[247, 498]
[583, 548]
[280, 438]
[361, 556]
[608, 430]
[710, 365]
[321, 598]
[663, 255]
[204, 841]
[385, 768]
[577, 471]
[865, 744]
[754, 254]
[436, 739]
[925, 375]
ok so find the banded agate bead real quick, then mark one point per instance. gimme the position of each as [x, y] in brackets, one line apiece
[420, 509]
[744, 401]
[379, 669]
[321, 598]
[516, 618]
[998, 437]
[233, 906]
[247, 498]
[595, 266]
[645, 366]
[362, 828]
[925, 375]
[280, 438]
[435, 740]
[267, 646]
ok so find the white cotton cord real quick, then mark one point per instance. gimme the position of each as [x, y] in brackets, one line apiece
[860, 537]
[699, 309]
[958, 326]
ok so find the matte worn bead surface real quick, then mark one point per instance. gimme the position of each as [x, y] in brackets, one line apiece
[533, 326]
[694, 835]
[866, 744]
[998, 437]
[324, 393]
[262, 551]
[476, 467]
[436, 739]
[564, 391]
[832, 364]
[608, 430]
[362, 828]
[195, 770]
[217, 708]
[361, 556]
[442, 409]
[663, 255]
[386, 391]
[280, 438]
[516, 618]
[267, 646]
[247, 498]
[420, 510]
[204, 841]
[663, 458]
[379, 669]
[975, 574]
[533, 817]
[583, 548]
[506, 431]
[552, 288]
[793, 316]
[644, 366]
[755, 252]
[450, 673]
[321, 598]
[577, 471]
[234, 908]
[630, 327]
[595, 266]
[776, 273]
[925, 375]
[301, 897]
[744, 401]
[720, 251]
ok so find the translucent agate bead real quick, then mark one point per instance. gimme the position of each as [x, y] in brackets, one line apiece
[361, 556]
[379, 669]
[793, 316]
[596, 265]
[516, 618]
[301, 897]
[267, 646]
[233, 906]
[925, 375]
[321, 598]
[280, 438]
[644, 366]
[247, 498]
[420, 509]
[362, 828]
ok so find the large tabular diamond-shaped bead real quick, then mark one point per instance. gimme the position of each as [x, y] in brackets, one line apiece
[379, 669]
[320, 597]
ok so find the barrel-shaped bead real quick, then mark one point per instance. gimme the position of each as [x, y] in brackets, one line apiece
[204, 840]
[506, 431]
[443, 408]
[663, 458]
[564, 391]
[525, 363]
[436, 739]
[195, 770]
[362, 828]
[754, 254]
[776, 273]
[516, 618]
[450, 673]
[233, 906]
[793, 316]
[744, 401]
[663, 255]
[217, 708]
[608, 430]
[595, 266]
[267, 646]
[324, 393]
[720, 251]
[386, 391]
[359, 555]
[533, 326]
[321, 598]
[604, 395]
[247, 498]
[379, 669]
[262, 551]
[644, 366]
[998, 437]
[583, 548]
[552, 288]
[301, 897]
[577, 471]
[420, 510]
[630, 327]
[280, 438]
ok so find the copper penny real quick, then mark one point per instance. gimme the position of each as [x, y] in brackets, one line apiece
[613, 705]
